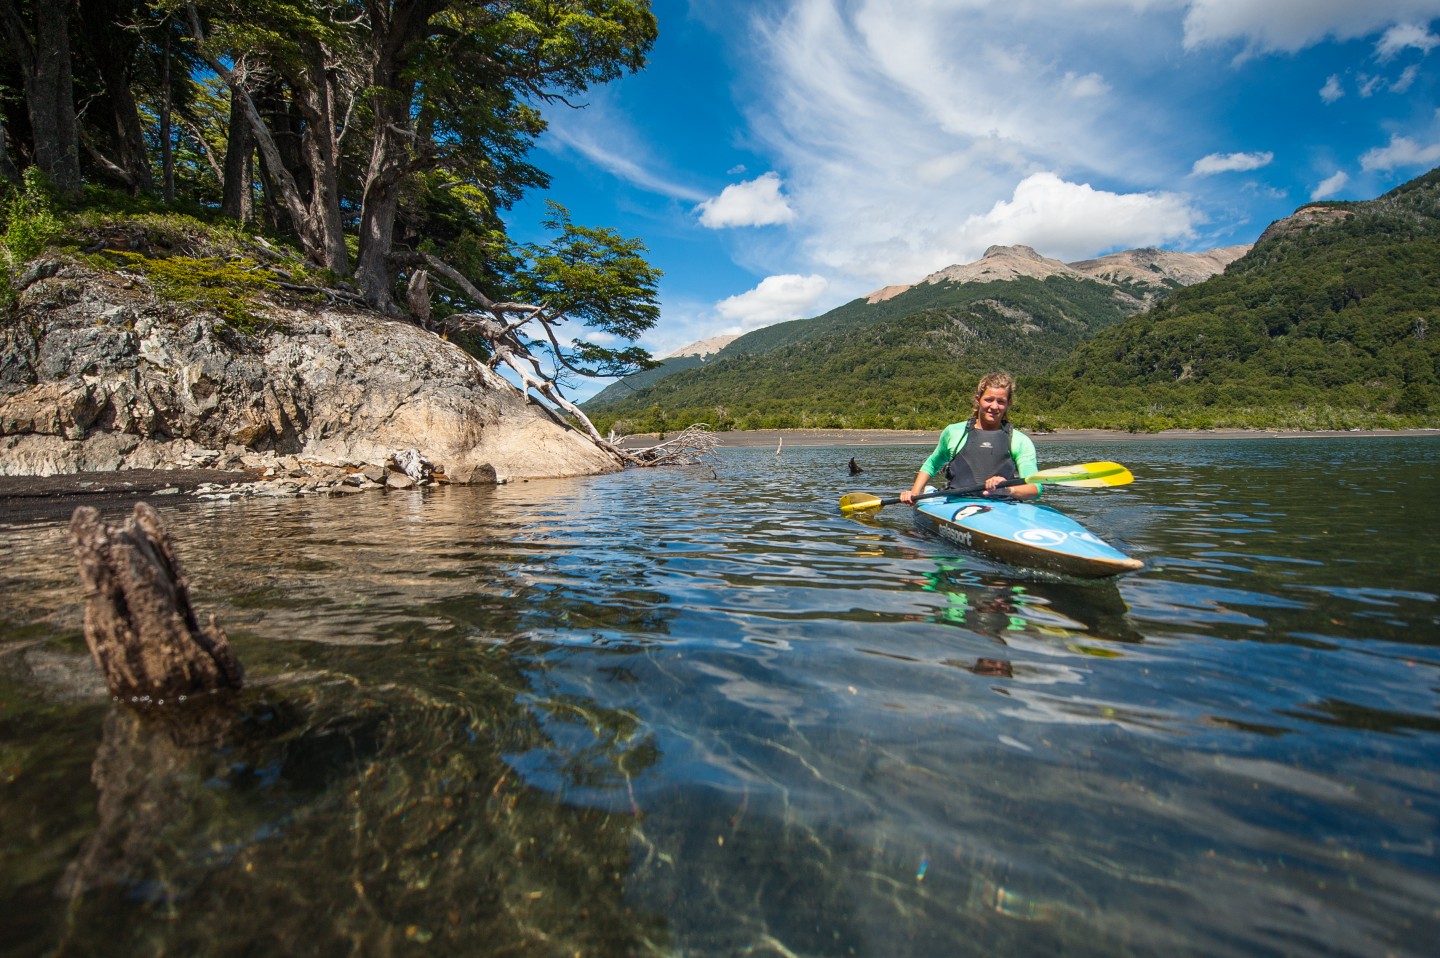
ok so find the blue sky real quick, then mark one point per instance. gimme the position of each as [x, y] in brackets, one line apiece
[781, 157]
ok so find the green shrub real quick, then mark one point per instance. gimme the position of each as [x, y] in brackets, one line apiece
[29, 220]
[225, 286]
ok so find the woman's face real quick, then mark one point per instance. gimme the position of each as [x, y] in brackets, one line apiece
[993, 403]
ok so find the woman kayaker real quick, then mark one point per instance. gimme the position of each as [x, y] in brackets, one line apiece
[985, 450]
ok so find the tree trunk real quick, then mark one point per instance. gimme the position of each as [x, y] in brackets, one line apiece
[8, 171]
[278, 176]
[44, 61]
[237, 179]
[167, 151]
[139, 624]
[323, 161]
[374, 275]
[394, 27]
[109, 47]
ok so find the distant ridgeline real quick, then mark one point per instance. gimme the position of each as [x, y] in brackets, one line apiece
[1327, 322]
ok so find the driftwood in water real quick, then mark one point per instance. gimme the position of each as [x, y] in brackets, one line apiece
[139, 624]
[691, 446]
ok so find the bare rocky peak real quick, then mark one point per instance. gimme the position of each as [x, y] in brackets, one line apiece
[1001, 263]
[1305, 218]
[1149, 265]
[702, 347]
[886, 292]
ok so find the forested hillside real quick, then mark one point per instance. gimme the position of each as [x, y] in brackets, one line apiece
[907, 361]
[1329, 322]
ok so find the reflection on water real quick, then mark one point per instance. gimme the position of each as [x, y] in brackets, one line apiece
[696, 712]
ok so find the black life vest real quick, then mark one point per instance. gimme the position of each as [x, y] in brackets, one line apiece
[983, 453]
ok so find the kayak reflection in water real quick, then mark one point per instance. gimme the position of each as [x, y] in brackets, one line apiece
[983, 451]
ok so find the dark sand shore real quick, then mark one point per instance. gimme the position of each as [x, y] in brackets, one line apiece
[48, 497]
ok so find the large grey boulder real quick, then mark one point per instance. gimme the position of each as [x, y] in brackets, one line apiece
[97, 373]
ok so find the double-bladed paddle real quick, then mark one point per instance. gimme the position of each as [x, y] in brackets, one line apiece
[1085, 475]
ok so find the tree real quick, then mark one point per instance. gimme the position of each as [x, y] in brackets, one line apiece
[109, 51]
[37, 37]
[309, 48]
[435, 85]
[591, 275]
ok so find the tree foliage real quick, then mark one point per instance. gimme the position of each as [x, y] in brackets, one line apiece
[379, 136]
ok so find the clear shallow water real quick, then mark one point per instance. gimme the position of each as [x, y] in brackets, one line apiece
[696, 712]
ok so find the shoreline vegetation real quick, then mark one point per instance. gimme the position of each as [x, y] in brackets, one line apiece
[922, 437]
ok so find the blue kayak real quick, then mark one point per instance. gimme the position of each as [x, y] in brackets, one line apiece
[1024, 534]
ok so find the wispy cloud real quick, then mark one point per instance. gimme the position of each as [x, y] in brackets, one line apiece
[1401, 153]
[1332, 90]
[1286, 26]
[1090, 84]
[1330, 186]
[606, 142]
[1404, 36]
[1230, 163]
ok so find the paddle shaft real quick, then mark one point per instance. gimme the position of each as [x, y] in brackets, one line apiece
[952, 493]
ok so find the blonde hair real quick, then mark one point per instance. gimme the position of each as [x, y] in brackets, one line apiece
[993, 381]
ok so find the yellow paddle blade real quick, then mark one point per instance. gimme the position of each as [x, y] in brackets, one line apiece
[1086, 475]
[859, 502]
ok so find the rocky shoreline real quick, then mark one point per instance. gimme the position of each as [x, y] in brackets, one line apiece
[30, 497]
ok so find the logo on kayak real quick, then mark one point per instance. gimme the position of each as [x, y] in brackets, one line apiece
[955, 535]
[1041, 537]
[969, 511]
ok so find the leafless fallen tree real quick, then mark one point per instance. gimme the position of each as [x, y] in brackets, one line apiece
[500, 324]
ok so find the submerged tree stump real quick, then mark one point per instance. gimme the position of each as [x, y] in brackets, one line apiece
[139, 624]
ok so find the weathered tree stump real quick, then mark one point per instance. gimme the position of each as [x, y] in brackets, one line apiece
[139, 624]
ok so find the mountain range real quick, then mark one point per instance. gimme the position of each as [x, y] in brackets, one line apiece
[1324, 321]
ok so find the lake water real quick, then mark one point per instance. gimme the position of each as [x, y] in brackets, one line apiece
[696, 712]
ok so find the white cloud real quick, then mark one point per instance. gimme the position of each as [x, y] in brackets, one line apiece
[756, 202]
[1332, 90]
[1330, 186]
[1401, 152]
[1230, 163]
[1406, 80]
[1091, 84]
[1403, 36]
[774, 300]
[1287, 26]
[1071, 221]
